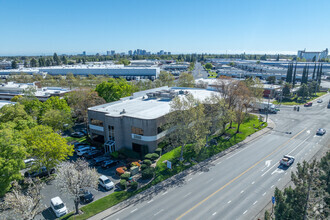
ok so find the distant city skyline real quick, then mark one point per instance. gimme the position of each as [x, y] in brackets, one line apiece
[255, 27]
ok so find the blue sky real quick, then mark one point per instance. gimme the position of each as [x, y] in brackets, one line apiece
[37, 27]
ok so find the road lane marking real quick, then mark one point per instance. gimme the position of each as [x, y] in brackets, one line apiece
[252, 182]
[214, 213]
[158, 212]
[229, 201]
[200, 173]
[187, 195]
[279, 179]
[234, 179]
[235, 153]
[264, 194]
[209, 180]
[189, 179]
[269, 169]
[277, 171]
[244, 212]
[164, 193]
[242, 191]
[255, 202]
[298, 146]
[272, 186]
[150, 201]
[219, 162]
[133, 210]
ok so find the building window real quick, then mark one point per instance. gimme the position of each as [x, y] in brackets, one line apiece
[97, 122]
[111, 133]
[136, 130]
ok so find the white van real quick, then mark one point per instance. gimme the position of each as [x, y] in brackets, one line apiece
[58, 206]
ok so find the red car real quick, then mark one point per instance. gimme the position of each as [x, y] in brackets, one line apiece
[308, 104]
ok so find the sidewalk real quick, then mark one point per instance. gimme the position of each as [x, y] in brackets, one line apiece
[178, 178]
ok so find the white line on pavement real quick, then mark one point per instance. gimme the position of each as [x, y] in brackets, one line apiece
[253, 182]
[133, 210]
[269, 169]
[264, 194]
[279, 179]
[255, 202]
[235, 153]
[305, 154]
[209, 180]
[242, 191]
[219, 162]
[189, 179]
[245, 212]
[187, 195]
[285, 173]
[200, 173]
[164, 193]
[158, 212]
[272, 186]
[214, 213]
[150, 201]
[229, 201]
[297, 146]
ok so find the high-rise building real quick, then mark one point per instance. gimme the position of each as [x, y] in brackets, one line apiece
[113, 52]
[108, 53]
[130, 52]
[84, 53]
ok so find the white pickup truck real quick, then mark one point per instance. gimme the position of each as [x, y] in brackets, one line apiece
[287, 160]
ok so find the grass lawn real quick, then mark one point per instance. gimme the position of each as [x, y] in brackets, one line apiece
[250, 126]
[212, 74]
[71, 139]
[295, 101]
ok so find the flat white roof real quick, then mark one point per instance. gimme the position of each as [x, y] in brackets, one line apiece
[3, 103]
[137, 107]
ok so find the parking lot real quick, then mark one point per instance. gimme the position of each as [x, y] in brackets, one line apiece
[51, 189]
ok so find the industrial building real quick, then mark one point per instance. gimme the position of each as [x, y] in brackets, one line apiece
[135, 122]
[11, 89]
[3, 103]
[309, 56]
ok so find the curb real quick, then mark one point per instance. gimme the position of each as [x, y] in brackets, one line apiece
[173, 179]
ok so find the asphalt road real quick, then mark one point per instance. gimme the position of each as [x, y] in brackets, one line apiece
[199, 71]
[240, 184]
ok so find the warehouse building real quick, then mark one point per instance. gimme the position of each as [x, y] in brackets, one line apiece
[136, 122]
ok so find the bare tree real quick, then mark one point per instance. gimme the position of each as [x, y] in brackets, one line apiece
[74, 177]
[24, 204]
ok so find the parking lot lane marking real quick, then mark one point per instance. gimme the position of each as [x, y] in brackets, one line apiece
[214, 213]
[255, 202]
[285, 173]
[241, 174]
[244, 212]
[264, 194]
[150, 201]
[164, 193]
[242, 191]
[219, 162]
[272, 186]
[187, 195]
[229, 201]
[158, 212]
[189, 179]
[134, 210]
[279, 179]
[200, 173]
[252, 182]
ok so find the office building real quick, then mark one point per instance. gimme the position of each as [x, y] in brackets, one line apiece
[130, 52]
[312, 56]
[113, 52]
[108, 53]
[136, 122]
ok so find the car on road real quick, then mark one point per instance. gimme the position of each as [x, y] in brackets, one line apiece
[86, 196]
[319, 101]
[93, 153]
[106, 183]
[287, 160]
[57, 205]
[308, 104]
[99, 160]
[320, 131]
[109, 163]
[77, 134]
[38, 173]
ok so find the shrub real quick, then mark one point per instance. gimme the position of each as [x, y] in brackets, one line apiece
[158, 151]
[148, 173]
[120, 171]
[147, 162]
[135, 163]
[129, 153]
[123, 184]
[125, 176]
[144, 166]
[114, 154]
[154, 156]
[148, 156]
[134, 185]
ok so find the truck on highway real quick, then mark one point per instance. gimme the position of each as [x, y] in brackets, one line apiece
[265, 106]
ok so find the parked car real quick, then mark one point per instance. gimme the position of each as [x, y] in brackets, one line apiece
[38, 173]
[77, 134]
[109, 163]
[106, 183]
[98, 160]
[308, 104]
[319, 101]
[29, 162]
[86, 196]
[57, 205]
[83, 150]
[93, 153]
[320, 131]
[287, 160]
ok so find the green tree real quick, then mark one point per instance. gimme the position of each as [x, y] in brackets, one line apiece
[186, 80]
[14, 64]
[64, 60]
[286, 91]
[33, 62]
[114, 89]
[59, 120]
[12, 153]
[47, 147]
[271, 79]
[56, 59]
[208, 66]
[13, 113]
[166, 79]
[303, 91]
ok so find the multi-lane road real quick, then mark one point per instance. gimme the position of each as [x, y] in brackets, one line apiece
[240, 184]
[199, 71]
